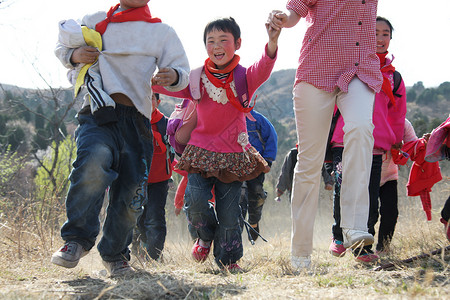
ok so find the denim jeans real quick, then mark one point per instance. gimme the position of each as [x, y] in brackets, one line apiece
[374, 187]
[220, 225]
[115, 155]
[252, 199]
[152, 223]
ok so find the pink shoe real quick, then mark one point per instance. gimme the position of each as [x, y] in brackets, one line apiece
[200, 253]
[232, 268]
[447, 228]
[337, 248]
[367, 258]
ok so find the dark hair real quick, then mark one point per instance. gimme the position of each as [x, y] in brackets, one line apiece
[225, 25]
[391, 28]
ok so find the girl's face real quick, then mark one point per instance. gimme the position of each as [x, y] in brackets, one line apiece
[127, 4]
[220, 47]
[383, 36]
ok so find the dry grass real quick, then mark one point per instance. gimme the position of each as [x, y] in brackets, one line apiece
[267, 272]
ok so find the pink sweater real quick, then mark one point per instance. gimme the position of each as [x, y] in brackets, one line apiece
[219, 125]
[388, 119]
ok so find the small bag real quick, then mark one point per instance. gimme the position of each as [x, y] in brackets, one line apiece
[181, 123]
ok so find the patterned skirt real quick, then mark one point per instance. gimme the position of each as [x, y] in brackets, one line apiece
[227, 167]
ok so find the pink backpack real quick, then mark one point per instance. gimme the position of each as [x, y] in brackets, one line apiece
[183, 119]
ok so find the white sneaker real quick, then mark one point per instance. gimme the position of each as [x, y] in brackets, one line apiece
[301, 262]
[356, 238]
[69, 255]
[118, 268]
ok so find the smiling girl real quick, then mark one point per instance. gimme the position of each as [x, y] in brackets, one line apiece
[218, 153]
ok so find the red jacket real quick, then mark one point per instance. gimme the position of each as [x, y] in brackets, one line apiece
[423, 175]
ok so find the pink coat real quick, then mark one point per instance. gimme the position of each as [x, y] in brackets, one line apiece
[219, 125]
[388, 118]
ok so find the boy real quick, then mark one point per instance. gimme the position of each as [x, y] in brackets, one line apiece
[114, 143]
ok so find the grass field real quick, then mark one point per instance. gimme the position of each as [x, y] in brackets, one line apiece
[26, 271]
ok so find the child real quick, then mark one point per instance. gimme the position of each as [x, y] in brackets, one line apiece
[114, 143]
[337, 65]
[263, 137]
[218, 153]
[152, 223]
[389, 120]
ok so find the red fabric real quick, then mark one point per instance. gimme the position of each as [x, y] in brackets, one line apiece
[339, 44]
[160, 169]
[439, 137]
[210, 68]
[132, 14]
[386, 87]
[423, 175]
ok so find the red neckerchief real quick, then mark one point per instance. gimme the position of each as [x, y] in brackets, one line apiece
[210, 68]
[155, 118]
[386, 87]
[132, 14]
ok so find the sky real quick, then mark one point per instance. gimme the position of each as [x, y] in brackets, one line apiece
[29, 30]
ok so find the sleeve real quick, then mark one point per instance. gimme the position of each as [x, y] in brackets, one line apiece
[300, 7]
[270, 138]
[284, 181]
[179, 195]
[174, 56]
[259, 72]
[409, 134]
[397, 113]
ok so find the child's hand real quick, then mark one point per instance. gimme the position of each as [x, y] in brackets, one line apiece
[277, 19]
[84, 55]
[426, 137]
[165, 77]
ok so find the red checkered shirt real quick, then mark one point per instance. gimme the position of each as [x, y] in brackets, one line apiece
[340, 42]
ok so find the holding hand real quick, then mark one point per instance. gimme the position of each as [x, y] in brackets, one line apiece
[84, 55]
[165, 77]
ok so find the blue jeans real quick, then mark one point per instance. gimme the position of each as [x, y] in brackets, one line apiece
[152, 223]
[116, 155]
[221, 225]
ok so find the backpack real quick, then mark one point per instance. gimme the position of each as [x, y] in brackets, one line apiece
[183, 119]
[397, 81]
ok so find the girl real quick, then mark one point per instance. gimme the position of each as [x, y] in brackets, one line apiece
[218, 153]
[389, 120]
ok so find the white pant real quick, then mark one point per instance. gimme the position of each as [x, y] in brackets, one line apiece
[313, 113]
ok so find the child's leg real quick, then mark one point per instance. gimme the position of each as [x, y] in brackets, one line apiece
[228, 240]
[445, 212]
[199, 211]
[256, 199]
[128, 193]
[388, 214]
[93, 171]
[155, 218]
[337, 168]
[374, 188]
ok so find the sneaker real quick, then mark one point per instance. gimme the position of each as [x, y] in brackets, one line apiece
[301, 262]
[356, 238]
[69, 255]
[254, 234]
[200, 253]
[447, 228]
[232, 268]
[118, 268]
[337, 248]
[367, 258]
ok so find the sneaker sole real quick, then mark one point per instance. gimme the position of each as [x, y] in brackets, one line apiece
[365, 241]
[337, 254]
[64, 263]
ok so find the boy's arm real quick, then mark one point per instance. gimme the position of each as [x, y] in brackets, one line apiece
[173, 56]
[270, 138]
